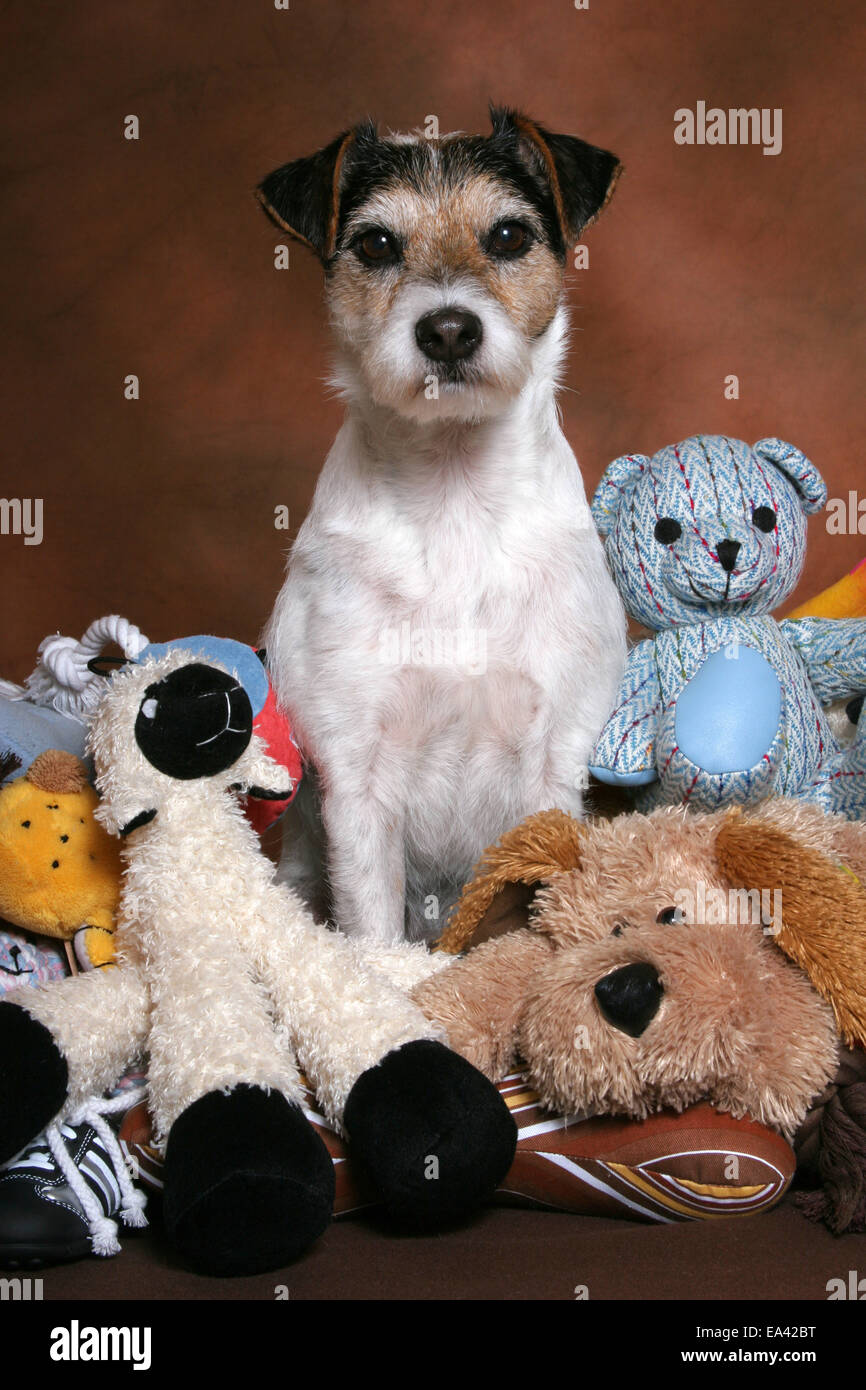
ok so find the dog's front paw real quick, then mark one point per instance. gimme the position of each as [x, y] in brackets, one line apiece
[432, 1134]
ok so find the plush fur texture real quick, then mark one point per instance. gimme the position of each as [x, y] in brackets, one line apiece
[448, 638]
[59, 871]
[222, 975]
[214, 1151]
[725, 704]
[735, 1022]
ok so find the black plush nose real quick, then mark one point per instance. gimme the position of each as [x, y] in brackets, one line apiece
[727, 552]
[195, 723]
[448, 335]
[629, 997]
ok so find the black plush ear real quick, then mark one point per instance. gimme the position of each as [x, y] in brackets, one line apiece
[303, 197]
[581, 177]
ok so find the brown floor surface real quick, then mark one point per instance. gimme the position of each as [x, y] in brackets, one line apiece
[506, 1255]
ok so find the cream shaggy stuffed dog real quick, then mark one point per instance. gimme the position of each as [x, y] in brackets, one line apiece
[226, 981]
[448, 639]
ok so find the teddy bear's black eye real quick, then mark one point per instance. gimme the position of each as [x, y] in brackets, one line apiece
[619, 928]
[671, 915]
[667, 530]
[764, 518]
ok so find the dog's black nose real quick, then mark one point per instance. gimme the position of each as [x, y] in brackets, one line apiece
[629, 997]
[448, 335]
[727, 553]
[194, 723]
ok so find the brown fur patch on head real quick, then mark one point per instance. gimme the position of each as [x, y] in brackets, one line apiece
[442, 230]
[632, 868]
[57, 771]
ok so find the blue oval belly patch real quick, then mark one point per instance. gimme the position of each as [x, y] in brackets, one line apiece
[728, 714]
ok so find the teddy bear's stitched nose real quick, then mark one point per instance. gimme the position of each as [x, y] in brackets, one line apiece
[727, 552]
[629, 997]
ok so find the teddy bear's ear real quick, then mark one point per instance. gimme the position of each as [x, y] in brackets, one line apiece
[797, 469]
[543, 845]
[617, 479]
[818, 918]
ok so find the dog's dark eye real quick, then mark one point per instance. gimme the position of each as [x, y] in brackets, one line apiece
[509, 239]
[377, 247]
[764, 518]
[670, 916]
[667, 530]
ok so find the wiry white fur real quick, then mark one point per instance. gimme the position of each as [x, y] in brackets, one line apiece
[445, 524]
[223, 976]
[393, 372]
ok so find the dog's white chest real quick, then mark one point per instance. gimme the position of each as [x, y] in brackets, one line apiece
[448, 642]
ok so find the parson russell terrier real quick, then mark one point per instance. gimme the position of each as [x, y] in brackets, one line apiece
[447, 639]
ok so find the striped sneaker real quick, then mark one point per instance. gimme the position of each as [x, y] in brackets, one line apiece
[59, 1197]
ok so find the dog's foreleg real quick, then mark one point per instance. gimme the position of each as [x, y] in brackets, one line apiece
[366, 862]
[302, 863]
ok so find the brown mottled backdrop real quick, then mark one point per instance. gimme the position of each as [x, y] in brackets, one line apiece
[150, 257]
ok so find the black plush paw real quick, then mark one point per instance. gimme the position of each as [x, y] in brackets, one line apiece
[33, 1079]
[249, 1185]
[433, 1135]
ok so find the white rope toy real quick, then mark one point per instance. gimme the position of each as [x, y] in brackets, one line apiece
[62, 679]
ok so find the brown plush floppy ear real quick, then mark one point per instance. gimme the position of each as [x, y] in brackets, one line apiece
[823, 911]
[542, 845]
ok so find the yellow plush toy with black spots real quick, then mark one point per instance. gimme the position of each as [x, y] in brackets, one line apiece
[59, 870]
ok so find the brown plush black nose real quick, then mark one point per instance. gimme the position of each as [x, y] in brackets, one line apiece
[448, 335]
[727, 552]
[629, 997]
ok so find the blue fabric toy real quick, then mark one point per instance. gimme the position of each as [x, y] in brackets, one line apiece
[725, 704]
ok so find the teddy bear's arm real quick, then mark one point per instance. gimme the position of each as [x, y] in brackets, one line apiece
[99, 1021]
[625, 752]
[834, 653]
[94, 947]
[479, 999]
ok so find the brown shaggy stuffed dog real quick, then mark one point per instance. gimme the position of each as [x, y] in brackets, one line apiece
[671, 958]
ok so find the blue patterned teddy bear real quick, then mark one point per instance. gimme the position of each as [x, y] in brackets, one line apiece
[725, 704]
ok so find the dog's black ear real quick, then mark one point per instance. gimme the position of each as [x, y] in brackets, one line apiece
[303, 197]
[581, 177]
